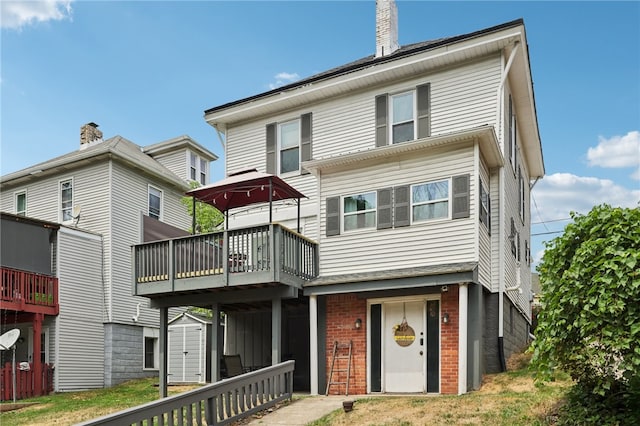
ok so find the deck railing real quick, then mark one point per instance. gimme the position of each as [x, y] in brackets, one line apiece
[219, 403]
[28, 291]
[269, 248]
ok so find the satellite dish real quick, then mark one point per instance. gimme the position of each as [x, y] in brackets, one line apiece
[8, 339]
[76, 211]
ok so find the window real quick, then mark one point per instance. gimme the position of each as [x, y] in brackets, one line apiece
[289, 146]
[359, 211]
[485, 207]
[402, 119]
[21, 203]
[155, 203]
[403, 116]
[150, 349]
[198, 168]
[430, 201]
[203, 171]
[66, 200]
[193, 163]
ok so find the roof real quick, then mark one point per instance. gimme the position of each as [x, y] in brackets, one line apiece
[244, 188]
[173, 144]
[406, 50]
[116, 146]
[408, 61]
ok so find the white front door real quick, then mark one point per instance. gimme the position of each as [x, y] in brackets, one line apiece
[403, 350]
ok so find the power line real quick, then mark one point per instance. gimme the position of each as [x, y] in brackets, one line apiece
[550, 221]
[546, 233]
[538, 211]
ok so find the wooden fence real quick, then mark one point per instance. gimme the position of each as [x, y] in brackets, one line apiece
[25, 380]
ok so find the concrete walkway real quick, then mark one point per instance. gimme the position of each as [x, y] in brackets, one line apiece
[302, 411]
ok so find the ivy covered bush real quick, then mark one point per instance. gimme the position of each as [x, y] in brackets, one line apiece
[589, 324]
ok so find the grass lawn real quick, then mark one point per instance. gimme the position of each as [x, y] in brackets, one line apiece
[68, 408]
[509, 398]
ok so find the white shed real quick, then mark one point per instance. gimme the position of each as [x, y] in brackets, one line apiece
[189, 349]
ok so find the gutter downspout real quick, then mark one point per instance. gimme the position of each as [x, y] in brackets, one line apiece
[220, 137]
[501, 231]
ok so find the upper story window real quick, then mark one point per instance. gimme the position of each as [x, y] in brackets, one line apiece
[485, 207]
[430, 200]
[66, 200]
[198, 168]
[404, 116]
[155, 203]
[21, 203]
[399, 206]
[203, 171]
[359, 211]
[288, 145]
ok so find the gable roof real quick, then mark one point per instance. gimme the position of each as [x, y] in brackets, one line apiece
[115, 147]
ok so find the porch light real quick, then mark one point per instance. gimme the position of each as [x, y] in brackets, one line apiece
[358, 324]
[445, 318]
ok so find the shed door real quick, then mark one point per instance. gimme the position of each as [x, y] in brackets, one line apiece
[403, 348]
[186, 354]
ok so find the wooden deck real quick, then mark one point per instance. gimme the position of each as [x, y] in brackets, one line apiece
[265, 254]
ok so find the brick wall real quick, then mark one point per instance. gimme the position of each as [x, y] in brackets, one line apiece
[342, 312]
[449, 342]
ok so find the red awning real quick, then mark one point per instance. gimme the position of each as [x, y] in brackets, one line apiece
[244, 188]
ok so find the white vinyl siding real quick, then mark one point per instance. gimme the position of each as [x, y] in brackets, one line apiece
[79, 328]
[485, 234]
[176, 161]
[430, 242]
[129, 192]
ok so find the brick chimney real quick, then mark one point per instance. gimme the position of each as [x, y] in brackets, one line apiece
[386, 27]
[89, 133]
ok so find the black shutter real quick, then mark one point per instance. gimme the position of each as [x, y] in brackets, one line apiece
[381, 120]
[384, 208]
[271, 148]
[424, 110]
[510, 138]
[305, 139]
[333, 216]
[460, 196]
[401, 206]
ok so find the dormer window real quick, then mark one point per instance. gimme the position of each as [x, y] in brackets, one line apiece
[198, 168]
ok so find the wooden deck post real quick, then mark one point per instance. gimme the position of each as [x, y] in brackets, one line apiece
[37, 349]
[163, 344]
[215, 355]
[276, 330]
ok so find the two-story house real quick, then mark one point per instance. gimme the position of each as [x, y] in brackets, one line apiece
[116, 193]
[415, 164]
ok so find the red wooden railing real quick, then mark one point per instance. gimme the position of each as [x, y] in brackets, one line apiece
[29, 292]
[25, 380]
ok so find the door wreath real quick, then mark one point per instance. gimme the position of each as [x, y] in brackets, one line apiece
[403, 333]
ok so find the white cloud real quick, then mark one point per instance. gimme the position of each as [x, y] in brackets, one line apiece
[617, 152]
[283, 78]
[17, 14]
[560, 193]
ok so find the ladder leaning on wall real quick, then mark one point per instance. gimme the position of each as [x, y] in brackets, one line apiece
[339, 355]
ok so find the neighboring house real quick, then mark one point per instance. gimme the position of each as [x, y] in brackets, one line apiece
[119, 194]
[416, 164]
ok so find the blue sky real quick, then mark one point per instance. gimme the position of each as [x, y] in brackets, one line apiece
[148, 70]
